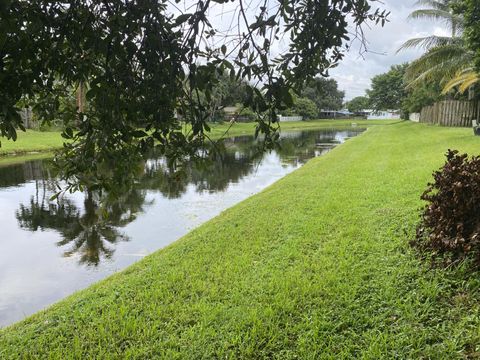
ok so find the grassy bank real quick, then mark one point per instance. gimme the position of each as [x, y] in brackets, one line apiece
[249, 128]
[31, 141]
[316, 266]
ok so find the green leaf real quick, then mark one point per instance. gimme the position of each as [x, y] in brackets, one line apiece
[139, 133]
[182, 18]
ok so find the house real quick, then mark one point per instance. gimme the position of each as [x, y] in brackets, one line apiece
[289, 118]
[235, 113]
[382, 114]
[334, 114]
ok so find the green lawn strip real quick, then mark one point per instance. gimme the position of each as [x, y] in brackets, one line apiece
[218, 130]
[31, 141]
[316, 266]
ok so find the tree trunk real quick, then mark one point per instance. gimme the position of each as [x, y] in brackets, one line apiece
[81, 97]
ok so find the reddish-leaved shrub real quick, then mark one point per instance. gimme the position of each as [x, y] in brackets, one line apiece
[450, 223]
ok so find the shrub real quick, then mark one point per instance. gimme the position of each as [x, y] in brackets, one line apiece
[450, 225]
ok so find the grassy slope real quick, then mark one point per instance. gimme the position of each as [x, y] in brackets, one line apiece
[316, 266]
[249, 128]
[31, 141]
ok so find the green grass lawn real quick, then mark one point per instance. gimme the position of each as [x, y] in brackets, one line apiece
[317, 266]
[249, 128]
[31, 141]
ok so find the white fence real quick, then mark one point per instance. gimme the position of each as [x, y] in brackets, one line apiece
[290, 118]
[383, 115]
[415, 117]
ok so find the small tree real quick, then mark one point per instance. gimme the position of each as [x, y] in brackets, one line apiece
[420, 96]
[358, 104]
[324, 93]
[303, 107]
[388, 90]
[451, 218]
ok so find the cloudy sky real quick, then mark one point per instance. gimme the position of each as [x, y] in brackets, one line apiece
[354, 73]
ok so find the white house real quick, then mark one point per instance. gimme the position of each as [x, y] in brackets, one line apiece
[329, 114]
[282, 118]
[382, 115]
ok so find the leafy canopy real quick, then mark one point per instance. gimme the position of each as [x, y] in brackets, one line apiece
[358, 103]
[324, 93]
[420, 96]
[149, 67]
[472, 19]
[388, 91]
[302, 107]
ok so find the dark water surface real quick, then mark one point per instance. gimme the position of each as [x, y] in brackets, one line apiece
[49, 249]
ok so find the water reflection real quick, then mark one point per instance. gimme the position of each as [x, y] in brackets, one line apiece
[90, 230]
[241, 157]
[87, 234]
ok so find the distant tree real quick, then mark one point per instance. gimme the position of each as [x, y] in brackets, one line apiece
[420, 96]
[303, 107]
[306, 108]
[358, 103]
[388, 89]
[324, 93]
[230, 91]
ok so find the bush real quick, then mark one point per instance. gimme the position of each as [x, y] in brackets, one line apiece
[450, 224]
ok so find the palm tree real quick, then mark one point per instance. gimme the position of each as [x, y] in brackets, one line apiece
[464, 80]
[447, 57]
[440, 64]
[438, 10]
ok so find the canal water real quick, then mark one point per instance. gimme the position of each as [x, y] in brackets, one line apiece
[50, 249]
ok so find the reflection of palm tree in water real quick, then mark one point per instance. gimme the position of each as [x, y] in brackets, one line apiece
[90, 232]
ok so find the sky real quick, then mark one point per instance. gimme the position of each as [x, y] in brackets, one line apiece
[354, 73]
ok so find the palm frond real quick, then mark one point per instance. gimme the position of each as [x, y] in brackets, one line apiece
[435, 4]
[427, 42]
[439, 64]
[443, 67]
[463, 80]
[432, 14]
[451, 20]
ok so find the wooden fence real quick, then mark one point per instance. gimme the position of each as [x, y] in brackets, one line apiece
[451, 113]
